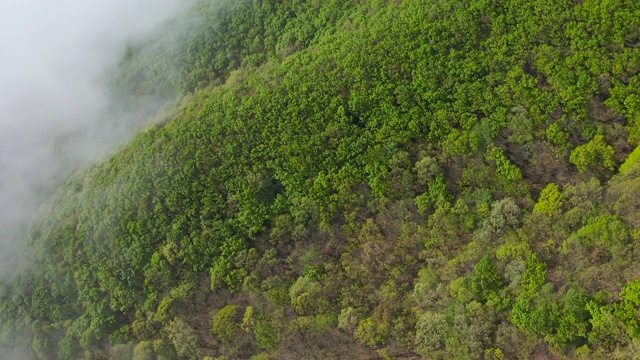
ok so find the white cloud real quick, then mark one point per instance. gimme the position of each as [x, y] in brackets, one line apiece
[52, 56]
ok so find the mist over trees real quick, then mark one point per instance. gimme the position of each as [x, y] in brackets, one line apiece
[354, 179]
[57, 114]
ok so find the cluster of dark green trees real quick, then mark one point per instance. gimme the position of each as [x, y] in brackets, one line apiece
[344, 179]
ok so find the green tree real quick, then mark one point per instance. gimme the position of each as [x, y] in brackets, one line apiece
[226, 323]
[596, 154]
[431, 332]
[184, 339]
[486, 281]
[550, 200]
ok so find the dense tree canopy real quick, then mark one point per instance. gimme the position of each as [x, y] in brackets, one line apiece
[389, 179]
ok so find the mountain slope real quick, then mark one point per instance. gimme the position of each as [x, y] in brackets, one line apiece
[411, 179]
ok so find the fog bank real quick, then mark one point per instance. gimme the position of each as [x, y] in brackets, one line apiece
[53, 103]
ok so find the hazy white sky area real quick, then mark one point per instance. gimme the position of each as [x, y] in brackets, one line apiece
[53, 54]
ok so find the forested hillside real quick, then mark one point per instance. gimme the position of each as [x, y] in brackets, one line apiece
[365, 179]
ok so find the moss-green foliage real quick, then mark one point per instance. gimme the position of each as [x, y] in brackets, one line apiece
[486, 281]
[184, 339]
[350, 177]
[430, 332]
[213, 38]
[550, 200]
[557, 136]
[594, 154]
[225, 323]
[631, 163]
